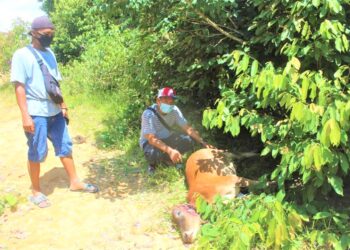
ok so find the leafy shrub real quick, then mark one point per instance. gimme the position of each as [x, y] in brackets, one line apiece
[10, 42]
[249, 222]
[263, 222]
[76, 24]
[299, 101]
[114, 68]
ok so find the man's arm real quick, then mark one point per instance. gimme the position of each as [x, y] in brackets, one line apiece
[27, 122]
[174, 154]
[195, 135]
[64, 109]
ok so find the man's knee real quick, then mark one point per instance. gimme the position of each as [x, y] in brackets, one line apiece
[152, 154]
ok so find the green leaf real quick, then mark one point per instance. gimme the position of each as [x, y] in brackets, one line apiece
[305, 88]
[265, 151]
[330, 133]
[254, 68]
[306, 177]
[345, 42]
[316, 3]
[337, 184]
[308, 157]
[339, 44]
[335, 132]
[280, 195]
[296, 63]
[344, 163]
[11, 200]
[234, 127]
[334, 6]
[322, 215]
[305, 30]
[297, 112]
[245, 63]
[318, 159]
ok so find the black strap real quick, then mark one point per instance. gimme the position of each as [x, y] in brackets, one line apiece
[42, 65]
[160, 119]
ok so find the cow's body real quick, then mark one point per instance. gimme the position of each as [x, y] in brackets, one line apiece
[211, 172]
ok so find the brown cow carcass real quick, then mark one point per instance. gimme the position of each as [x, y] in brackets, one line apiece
[209, 172]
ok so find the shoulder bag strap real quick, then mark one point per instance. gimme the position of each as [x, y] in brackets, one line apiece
[42, 65]
[39, 60]
[160, 119]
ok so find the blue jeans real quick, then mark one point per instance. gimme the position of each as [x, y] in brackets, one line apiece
[182, 143]
[53, 128]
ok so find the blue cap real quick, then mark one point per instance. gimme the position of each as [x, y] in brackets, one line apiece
[42, 22]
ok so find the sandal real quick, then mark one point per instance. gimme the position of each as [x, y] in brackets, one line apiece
[88, 188]
[40, 200]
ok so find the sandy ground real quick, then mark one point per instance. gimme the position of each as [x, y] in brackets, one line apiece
[121, 216]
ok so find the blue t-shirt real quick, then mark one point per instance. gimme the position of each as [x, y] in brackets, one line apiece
[150, 123]
[26, 70]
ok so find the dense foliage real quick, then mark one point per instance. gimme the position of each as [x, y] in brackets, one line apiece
[295, 93]
[276, 68]
[264, 222]
[11, 41]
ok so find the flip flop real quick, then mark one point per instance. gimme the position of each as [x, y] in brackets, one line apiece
[40, 200]
[91, 188]
[88, 188]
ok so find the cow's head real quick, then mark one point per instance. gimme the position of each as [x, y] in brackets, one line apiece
[188, 221]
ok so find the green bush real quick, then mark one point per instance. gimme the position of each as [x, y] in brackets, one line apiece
[263, 222]
[10, 42]
[115, 69]
[296, 96]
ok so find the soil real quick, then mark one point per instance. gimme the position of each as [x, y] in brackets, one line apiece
[123, 215]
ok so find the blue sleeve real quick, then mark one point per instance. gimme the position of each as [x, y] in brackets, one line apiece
[18, 71]
[147, 126]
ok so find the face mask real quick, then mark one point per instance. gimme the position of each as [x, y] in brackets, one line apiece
[166, 108]
[45, 40]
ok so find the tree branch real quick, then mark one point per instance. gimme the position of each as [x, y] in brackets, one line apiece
[214, 25]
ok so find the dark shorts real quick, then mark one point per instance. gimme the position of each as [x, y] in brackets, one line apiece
[181, 142]
[53, 128]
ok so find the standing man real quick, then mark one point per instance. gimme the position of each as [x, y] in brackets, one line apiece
[159, 142]
[41, 117]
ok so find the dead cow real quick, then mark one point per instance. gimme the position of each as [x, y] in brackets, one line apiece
[209, 172]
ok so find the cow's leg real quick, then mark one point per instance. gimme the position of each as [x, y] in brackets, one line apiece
[243, 182]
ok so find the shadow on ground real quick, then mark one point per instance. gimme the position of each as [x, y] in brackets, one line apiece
[54, 178]
[115, 177]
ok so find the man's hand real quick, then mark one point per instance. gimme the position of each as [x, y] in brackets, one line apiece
[206, 145]
[65, 112]
[28, 124]
[175, 156]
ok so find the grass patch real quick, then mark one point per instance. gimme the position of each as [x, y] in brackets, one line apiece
[87, 112]
[7, 93]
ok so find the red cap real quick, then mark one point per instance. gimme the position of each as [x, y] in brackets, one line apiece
[167, 91]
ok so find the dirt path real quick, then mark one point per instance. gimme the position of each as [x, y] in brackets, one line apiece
[121, 216]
